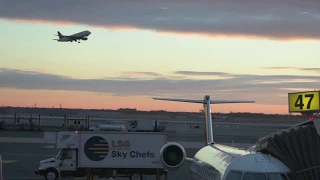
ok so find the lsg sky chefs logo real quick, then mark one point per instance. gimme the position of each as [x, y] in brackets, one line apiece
[97, 148]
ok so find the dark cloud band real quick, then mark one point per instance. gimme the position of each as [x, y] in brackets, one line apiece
[270, 89]
[286, 19]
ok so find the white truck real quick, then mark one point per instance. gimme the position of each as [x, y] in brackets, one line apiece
[109, 127]
[105, 154]
[145, 126]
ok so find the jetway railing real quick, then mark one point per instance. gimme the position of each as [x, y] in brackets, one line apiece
[1, 175]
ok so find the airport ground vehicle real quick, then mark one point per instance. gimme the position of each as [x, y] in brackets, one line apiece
[145, 126]
[105, 154]
[194, 126]
[109, 127]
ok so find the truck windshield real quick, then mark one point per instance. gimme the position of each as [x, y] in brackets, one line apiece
[59, 154]
[66, 154]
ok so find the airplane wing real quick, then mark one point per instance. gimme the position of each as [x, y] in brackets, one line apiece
[229, 101]
[202, 101]
[180, 100]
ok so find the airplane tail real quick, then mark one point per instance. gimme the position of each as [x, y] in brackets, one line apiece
[59, 34]
[207, 109]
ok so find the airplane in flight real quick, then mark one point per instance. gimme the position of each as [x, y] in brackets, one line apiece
[78, 36]
[220, 162]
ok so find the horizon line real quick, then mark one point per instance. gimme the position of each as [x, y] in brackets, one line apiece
[137, 110]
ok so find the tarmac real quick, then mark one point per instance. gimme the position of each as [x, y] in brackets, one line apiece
[20, 159]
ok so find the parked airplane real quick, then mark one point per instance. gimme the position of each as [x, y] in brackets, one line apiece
[219, 162]
[78, 36]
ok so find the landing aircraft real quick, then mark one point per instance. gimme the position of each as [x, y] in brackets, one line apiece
[220, 162]
[78, 36]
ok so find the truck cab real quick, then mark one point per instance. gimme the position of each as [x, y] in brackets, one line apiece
[67, 159]
[63, 165]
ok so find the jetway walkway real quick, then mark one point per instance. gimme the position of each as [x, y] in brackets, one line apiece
[1, 175]
[297, 147]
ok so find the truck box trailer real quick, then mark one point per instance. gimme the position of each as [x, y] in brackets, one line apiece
[105, 154]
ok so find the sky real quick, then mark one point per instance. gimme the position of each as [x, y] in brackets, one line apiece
[139, 49]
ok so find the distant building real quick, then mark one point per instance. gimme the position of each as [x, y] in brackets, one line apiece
[127, 109]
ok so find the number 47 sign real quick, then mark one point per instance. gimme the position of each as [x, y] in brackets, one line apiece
[304, 101]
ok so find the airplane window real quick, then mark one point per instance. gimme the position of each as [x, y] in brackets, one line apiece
[234, 175]
[254, 176]
[277, 177]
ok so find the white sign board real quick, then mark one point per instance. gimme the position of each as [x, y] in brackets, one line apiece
[121, 150]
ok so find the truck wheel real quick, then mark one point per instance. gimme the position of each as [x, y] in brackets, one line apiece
[136, 176]
[51, 174]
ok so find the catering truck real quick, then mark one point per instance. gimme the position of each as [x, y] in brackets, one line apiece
[105, 154]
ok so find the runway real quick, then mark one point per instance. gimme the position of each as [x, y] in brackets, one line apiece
[59, 121]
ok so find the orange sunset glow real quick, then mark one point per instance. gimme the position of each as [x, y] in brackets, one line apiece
[137, 51]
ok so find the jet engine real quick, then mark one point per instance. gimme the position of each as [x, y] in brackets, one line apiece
[84, 38]
[172, 155]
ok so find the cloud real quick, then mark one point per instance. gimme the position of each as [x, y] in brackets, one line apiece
[286, 19]
[139, 74]
[294, 68]
[243, 87]
[310, 69]
[279, 68]
[197, 73]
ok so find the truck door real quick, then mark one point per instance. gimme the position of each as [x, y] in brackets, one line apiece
[68, 160]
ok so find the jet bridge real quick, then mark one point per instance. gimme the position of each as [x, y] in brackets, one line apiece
[298, 147]
[1, 175]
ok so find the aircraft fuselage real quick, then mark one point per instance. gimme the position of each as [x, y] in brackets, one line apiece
[83, 35]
